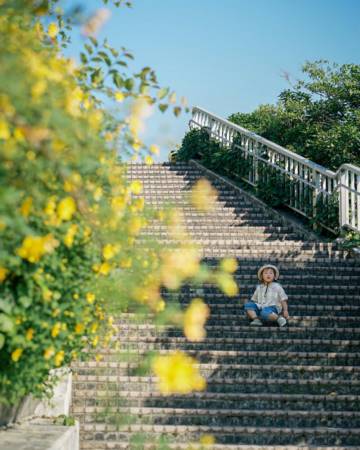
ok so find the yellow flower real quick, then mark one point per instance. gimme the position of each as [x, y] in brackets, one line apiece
[126, 263]
[177, 374]
[66, 208]
[53, 30]
[19, 135]
[109, 251]
[59, 357]
[98, 193]
[229, 265]
[98, 357]
[79, 328]
[16, 354]
[154, 149]
[148, 160]
[194, 320]
[3, 273]
[49, 352]
[135, 225]
[50, 207]
[95, 341]
[47, 295]
[90, 298]
[70, 235]
[178, 266]
[95, 118]
[87, 232]
[227, 284]
[136, 187]
[102, 269]
[38, 88]
[94, 327]
[34, 247]
[110, 320]
[203, 196]
[4, 130]
[119, 96]
[56, 329]
[29, 334]
[26, 207]
[207, 439]
[160, 306]
[138, 204]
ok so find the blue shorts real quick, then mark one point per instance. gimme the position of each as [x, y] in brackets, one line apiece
[262, 313]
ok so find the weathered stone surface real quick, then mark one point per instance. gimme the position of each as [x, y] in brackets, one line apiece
[39, 435]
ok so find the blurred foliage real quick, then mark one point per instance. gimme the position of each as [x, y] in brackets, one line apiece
[69, 218]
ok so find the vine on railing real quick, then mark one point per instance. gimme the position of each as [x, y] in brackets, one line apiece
[279, 176]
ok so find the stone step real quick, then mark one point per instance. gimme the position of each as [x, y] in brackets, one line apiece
[213, 331]
[213, 297]
[221, 400]
[221, 417]
[252, 371]
[251, 345]
[112, 445]
[319, 435]
[236, 307]
[226, 234]
[326, 358]
[323, 321]
[222, 384]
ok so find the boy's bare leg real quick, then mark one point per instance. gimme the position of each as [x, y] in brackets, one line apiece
[251, 314]
[273, 317]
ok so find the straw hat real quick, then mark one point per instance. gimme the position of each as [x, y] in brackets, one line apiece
[268, 266]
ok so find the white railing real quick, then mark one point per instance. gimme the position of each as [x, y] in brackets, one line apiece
[312, 188]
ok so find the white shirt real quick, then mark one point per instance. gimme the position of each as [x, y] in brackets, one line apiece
[269, 295]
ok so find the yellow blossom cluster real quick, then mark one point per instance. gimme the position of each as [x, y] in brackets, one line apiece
[203, 196]
[178, 373]
[34, 247]
[195, 318]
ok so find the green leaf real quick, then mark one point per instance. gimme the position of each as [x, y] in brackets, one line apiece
[114, 52]
[128, 55]
[121, 63]
[83, 58]
[163, 107]
[129, 84]
[117, 79]
[163, 93]
[94, 41]
[6, 324]
[2, 341]
[177, 111]
[25, 301]
[105, 57]
[89, 49]
[5, 306]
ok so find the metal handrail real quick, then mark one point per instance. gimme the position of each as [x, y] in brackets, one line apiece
[307, 174]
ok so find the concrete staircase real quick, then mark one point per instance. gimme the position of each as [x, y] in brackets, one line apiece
[268, 388]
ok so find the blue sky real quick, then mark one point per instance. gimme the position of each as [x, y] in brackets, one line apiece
[228, 55]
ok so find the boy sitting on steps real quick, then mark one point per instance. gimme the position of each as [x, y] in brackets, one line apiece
[269, 299]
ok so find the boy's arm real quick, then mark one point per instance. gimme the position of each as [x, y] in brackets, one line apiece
[285, 311]
[254, 297]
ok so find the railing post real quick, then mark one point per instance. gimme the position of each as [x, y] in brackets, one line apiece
[256, 163]
[315, 195]
[343, 199]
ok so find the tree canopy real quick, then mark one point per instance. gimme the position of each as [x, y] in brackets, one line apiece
[318, 117]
